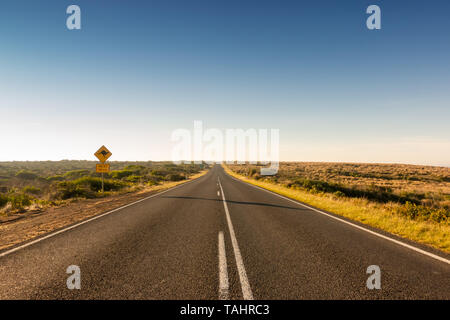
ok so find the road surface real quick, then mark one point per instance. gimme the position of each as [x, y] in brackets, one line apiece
[220, 238]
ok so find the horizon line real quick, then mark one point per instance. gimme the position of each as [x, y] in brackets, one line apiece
[246, 162]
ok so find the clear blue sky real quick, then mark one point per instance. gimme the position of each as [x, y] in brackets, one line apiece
[137, 70]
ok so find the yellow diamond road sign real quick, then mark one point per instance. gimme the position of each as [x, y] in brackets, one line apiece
[103, 154]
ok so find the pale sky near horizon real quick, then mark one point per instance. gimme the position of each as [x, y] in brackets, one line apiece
[137, 71]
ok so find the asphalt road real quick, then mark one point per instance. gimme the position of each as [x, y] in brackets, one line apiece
[217, 237]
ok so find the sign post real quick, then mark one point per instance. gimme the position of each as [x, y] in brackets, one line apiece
[102, 154]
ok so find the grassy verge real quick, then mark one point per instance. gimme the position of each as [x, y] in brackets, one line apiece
[431, 233]
[24, 227]
[34, 186]
[124, 196]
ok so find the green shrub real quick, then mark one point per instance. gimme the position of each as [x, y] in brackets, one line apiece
[339, 194]
[315, 185]
[55, 178]
[134, 178]
[26, 175]
[135, 168]
[414, 211]
[440, 215]
[31, 190]
[95, 184]
[175, 177]
[158, 173]
[120, 174]
[19, 201]
[153, 180]
[75, 174]
[3, 200]
[68, 190]
[373, 192]
[86, 187]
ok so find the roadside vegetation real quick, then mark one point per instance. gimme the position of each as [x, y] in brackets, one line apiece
[407, 200]
[34, 185]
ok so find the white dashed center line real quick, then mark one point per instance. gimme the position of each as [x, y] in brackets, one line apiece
[245, 285]
[223, 272]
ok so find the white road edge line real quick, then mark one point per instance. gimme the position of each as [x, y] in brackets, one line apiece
[223, 272]
[245, 285]
[91, 219]
[429, 254]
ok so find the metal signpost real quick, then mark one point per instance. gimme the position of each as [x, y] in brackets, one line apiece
[103, 154]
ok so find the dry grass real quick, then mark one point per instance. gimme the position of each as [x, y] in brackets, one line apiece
[430, 181]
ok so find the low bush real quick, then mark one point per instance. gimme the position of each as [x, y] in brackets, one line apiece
[31, 190]
[26, 175]
[55, 178]
[75, 174]
[68, 190]
[95, 184]
[86, 187]
[135, 168]
[120, 174]
[175, 177]
[19, 201]
[134, 178]
[3, 200]
[339, 194]
[440, 215]
[419, 212]
[50, 183]
[372, 192]
[153, 180]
